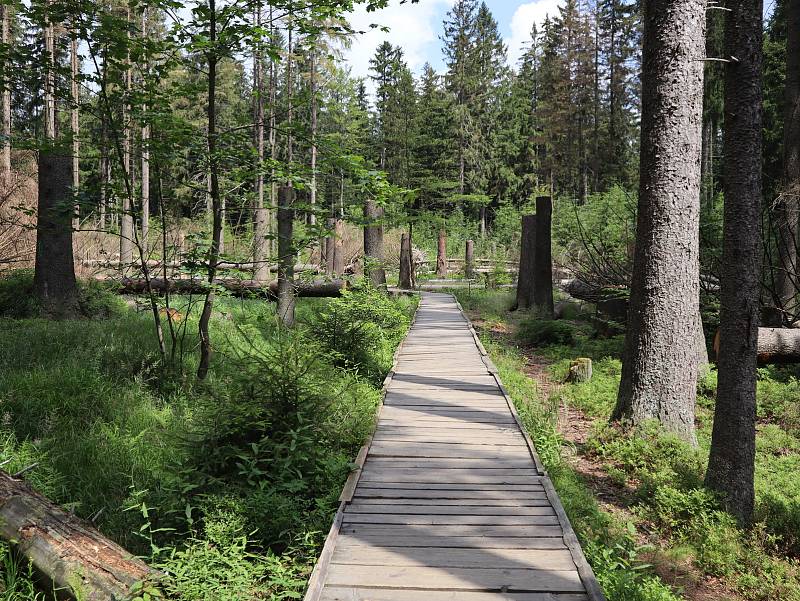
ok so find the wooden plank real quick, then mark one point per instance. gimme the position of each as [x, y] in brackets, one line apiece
[511, 510]
[452, 530]
[464, 476]
[335, 593]
[453, 542]
[467, 504]
[397, 493]
[447, 520]
[533, 559]
[477, 579]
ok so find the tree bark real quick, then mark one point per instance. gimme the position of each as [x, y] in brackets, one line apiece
[126, 218]
[54, 279]
[5, 89]
[527, 254]
[731, 464]
[441, 254]
[145, 192]
[786, 208]
[259, 211]
[330, 248]
[68, 551]
[406, 263]
[49, 80]
[659, 371]
[469, 259]
[286, 251]
[75, 126]
[312, 216]
[373, 244]
[543, 258]
[214, 194]
[338, 246]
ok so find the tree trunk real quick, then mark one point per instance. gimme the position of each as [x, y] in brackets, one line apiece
[406, 263]
[5, 89]
[126, 218]
[54, 279]
[338, 247]
[68, 551]
[214, 193]
[75, 127]
[312, 217]
[373, 244]
[659, 371]
[469, 260]
[330, 247]
[259, 212]
[786, 209]
[482, 222]
[527, 255]
[49, 81]
[543, 258]
[286, 256]
[731, 463]
[441, 254]
[145, 198]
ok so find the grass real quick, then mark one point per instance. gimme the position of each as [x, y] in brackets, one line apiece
[659, 476]
[227, 485]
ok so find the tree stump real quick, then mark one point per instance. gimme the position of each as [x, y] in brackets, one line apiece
[527, 254]
[580, 370]
[469, 260]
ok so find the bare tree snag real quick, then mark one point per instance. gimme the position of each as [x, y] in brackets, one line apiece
[286, 252]
[406, 263]
[659, 368]
[67, 550]
[126, 235]
[469, 259]
[527, 254]
[338, 247]
[543, 258]
[75, 125]
[54, 279]
[731, 462]
[441, 254]
[373, 244]
[145, 192]
[260, 232]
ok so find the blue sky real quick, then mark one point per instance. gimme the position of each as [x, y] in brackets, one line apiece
[417, 27]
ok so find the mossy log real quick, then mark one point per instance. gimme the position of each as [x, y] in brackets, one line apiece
[65, 549]
[317, 288]
[775, 345]
[580, 370]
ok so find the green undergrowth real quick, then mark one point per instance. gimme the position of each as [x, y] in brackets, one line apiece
[658, 478]
[228, 485]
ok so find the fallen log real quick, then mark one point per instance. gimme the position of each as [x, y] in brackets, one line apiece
[775, 345]
[247, 288]
[65, 549]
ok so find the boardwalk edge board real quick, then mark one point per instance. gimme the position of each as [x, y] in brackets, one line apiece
[319, 580]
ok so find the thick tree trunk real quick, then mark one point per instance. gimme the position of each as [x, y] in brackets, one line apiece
[731, 463]
[469, 259]
[786, 211]
[406, 263]
[659, 371]
[286, 252]
[54, 279]
[373, 244]
[441, 254]
[543, 258]
[527, 255]
[68, 551]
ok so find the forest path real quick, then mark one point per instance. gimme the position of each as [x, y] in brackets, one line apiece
[451, 502]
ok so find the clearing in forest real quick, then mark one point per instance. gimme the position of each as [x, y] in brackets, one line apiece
[450, 501]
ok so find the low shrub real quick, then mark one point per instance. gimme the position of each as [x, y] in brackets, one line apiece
[541, 332]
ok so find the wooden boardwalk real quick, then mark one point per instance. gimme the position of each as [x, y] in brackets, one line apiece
[450, 502]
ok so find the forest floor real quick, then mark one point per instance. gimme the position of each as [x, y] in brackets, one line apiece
[228, 485]
[649, 528]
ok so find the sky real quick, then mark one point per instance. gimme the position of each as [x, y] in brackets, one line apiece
[418, 27]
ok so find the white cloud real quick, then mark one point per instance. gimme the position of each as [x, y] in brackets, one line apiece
[414, 27]
[522, 22]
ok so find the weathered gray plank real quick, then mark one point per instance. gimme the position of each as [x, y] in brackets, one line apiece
[513, 510]
[446, 520]
[452, 530]
[477, 579]
[454, 542]
[533, 559]
[336, 593]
